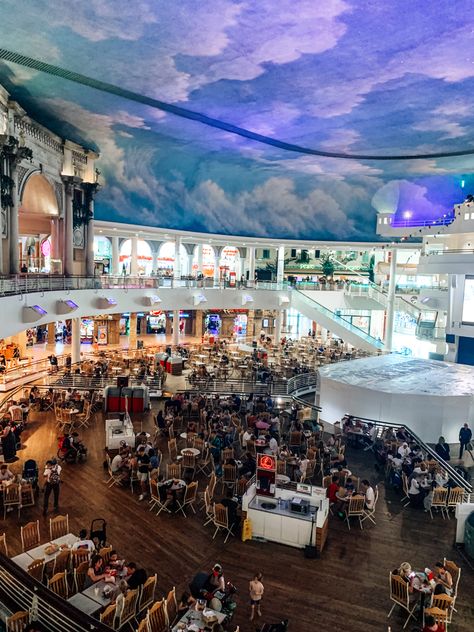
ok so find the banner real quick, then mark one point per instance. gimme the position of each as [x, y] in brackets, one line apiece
[102, 334]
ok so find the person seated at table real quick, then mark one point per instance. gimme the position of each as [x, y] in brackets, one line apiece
[135, 577]
[443, 579]
[121, 593]
[6, 474]
[83, 542]
[216, 579]
[368, 491]
[248, 466]
[441, 477]
[114, 561]
[402, 435]
[303, 463]
[185, 602]
[95, 572]
[121, 465]
[421, 469]
[332, 490]
[431, 625]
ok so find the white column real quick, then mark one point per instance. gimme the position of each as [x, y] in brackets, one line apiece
[76, 340]
[90, 264]
[242, 267]
[175, 327]
[190, 263]
[391, 300]
[251, 263]
[115, 263]
[156, 254]
[134, 256]
[324, 334]
[281, 264]
[177, 258]
[217, 261]
[278, 325]
[199, 247]
[68, 231]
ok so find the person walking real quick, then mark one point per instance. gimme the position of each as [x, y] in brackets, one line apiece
[465, 436]
[52, 476]
[256, 590]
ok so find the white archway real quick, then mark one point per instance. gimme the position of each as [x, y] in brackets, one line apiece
[144, 256]
[166, 256]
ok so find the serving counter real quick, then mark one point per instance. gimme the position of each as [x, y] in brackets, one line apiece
[277, 518]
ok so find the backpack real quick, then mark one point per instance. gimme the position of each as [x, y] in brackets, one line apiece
[54, 476]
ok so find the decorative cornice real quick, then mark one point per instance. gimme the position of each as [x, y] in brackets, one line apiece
[38, 134]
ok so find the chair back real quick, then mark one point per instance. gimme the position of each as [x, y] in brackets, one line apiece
[445, 603]
[241, 487]
[3, 544]
[190, 437]
[80, 574]
[356, 505]
[221, 515]
[281, 467]
[30, 535]
[440, 496]
[58, 584]
[58, 526]
[455, 571]
[27, 495]
[36, 569]
[173, 449]
[198, 444]
[129, 607]
[18, 621]
[79, 557]
[327, 481]
[440, 616]
[229, 473]
[399, 590]
[147, 594]
[212, 483]
[157, 620]
[173, 470]
[191, 493]
[11, 495]
[456, 496]
[405, 484]
[227, 453]
[171, 607]
[108, 616]
[189, 460]
[143, 625]
[61, 561]
[295, 438]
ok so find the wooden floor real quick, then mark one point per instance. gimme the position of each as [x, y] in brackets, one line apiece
[346, 590]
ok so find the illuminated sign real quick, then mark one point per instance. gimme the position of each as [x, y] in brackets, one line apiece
[266, 462]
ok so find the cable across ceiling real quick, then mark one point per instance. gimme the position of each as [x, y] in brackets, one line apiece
[103, 86]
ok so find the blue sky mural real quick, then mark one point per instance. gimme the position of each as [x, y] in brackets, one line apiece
[351, 76]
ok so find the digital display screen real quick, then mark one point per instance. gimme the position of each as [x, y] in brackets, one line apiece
[468, 304]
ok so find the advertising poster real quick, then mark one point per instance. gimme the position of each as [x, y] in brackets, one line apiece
[102, 334]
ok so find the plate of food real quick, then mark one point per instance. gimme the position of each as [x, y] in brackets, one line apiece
[51, 549]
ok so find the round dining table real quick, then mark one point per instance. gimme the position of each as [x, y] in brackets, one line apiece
[193, 451]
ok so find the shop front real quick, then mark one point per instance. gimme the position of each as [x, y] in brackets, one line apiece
[102, 255]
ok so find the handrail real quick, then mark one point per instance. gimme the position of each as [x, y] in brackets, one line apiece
[342, 321]
[20, 591]
[459, 480]
[452, 251]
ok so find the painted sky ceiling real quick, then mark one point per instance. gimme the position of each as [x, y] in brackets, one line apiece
[351, 76]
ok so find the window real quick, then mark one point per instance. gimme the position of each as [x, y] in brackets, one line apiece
[385, 220]
[472, 215]
[293, 253]
[317, 254]
[266, 254]
[466, 215]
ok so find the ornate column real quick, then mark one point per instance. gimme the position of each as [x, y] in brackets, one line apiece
[132, 332]
[217, 261]
[177, 257]
[69, 182]
[278, 325]
[391, 300]
[199, 247]
[115, 263]
[12, 152]
[134, 256]
[87, 218]
[251, 253]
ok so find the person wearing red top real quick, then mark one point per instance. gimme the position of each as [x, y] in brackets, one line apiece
[432, 626]
[333, 489]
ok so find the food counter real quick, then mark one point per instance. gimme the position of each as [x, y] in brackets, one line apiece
[289, 516]
[117, 431]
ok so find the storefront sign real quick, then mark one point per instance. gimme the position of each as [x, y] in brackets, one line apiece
[102, 334]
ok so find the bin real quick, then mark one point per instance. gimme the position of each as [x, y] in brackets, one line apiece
[112, 399]
[469, 535]
[174, 365]
[138, 400]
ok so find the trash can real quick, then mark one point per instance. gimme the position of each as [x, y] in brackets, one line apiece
[469, 535]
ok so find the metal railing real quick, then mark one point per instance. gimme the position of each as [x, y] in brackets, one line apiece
[455, 251]
[453, 474]
[276, 388]
[302, 383]
[19, 591]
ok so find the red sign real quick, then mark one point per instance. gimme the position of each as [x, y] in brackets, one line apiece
[266, 462]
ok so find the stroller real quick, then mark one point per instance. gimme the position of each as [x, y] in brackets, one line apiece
[282, 626]
[98, 532]
[30, 473]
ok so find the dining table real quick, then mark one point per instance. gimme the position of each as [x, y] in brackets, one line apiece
[193, 451]
[23, 560]
[85, 604]
[198, 619]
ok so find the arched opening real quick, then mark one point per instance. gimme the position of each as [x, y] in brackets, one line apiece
[38, 221]
[144, 256]
[166, 256]
[207, 267]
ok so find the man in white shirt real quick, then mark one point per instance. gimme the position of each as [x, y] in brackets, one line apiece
[369, 494]
[404, 450]
[83, 542]
[273, 445]
[246, 437]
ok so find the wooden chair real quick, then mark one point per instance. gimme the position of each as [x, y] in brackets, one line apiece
[58, 584]
[3, 544]
[189, 498]
[355, 508]
[79, 557]
[190, 438]
[147, 594]
[108, 616]
[327, 480]
[134, 480]
[309, 474]
[227, 453]
[406, 498]
[198, 443]
[27, 495]
[11, 499]
[30, 536]
[281, 467]
[80, 574]
[203, 464]
[229, 477]
[445, 603]
[36, 569]
[157, 619]
[143, 625]
[115, 478]
[455, 497]
[18, 621]
[155, 500]
[189, 462]
[221, 521]
[58, 526]
[440, 616]
[127, 613]
[209, 507]
[400, 596]
[173, 470]
[369, 513]
[105, 552]
[296, 440]
[61, 562]
[440, 496]
[171, 607]
[212, 484]
[173, 449]
[455, 571]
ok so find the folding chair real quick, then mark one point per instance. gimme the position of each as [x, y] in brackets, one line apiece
[440, 496]
[115, 478]
[58, 584]
[189, 498]
[147, 594]
[18, 621]
[455, 497]
[369, 513]
[30, 536]
[355, 508]
[400, 595]
[171, 607]
[58, 526]
[127, 614]
[221, 521]
[157, 619]
[155, 500]
[11, 499]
